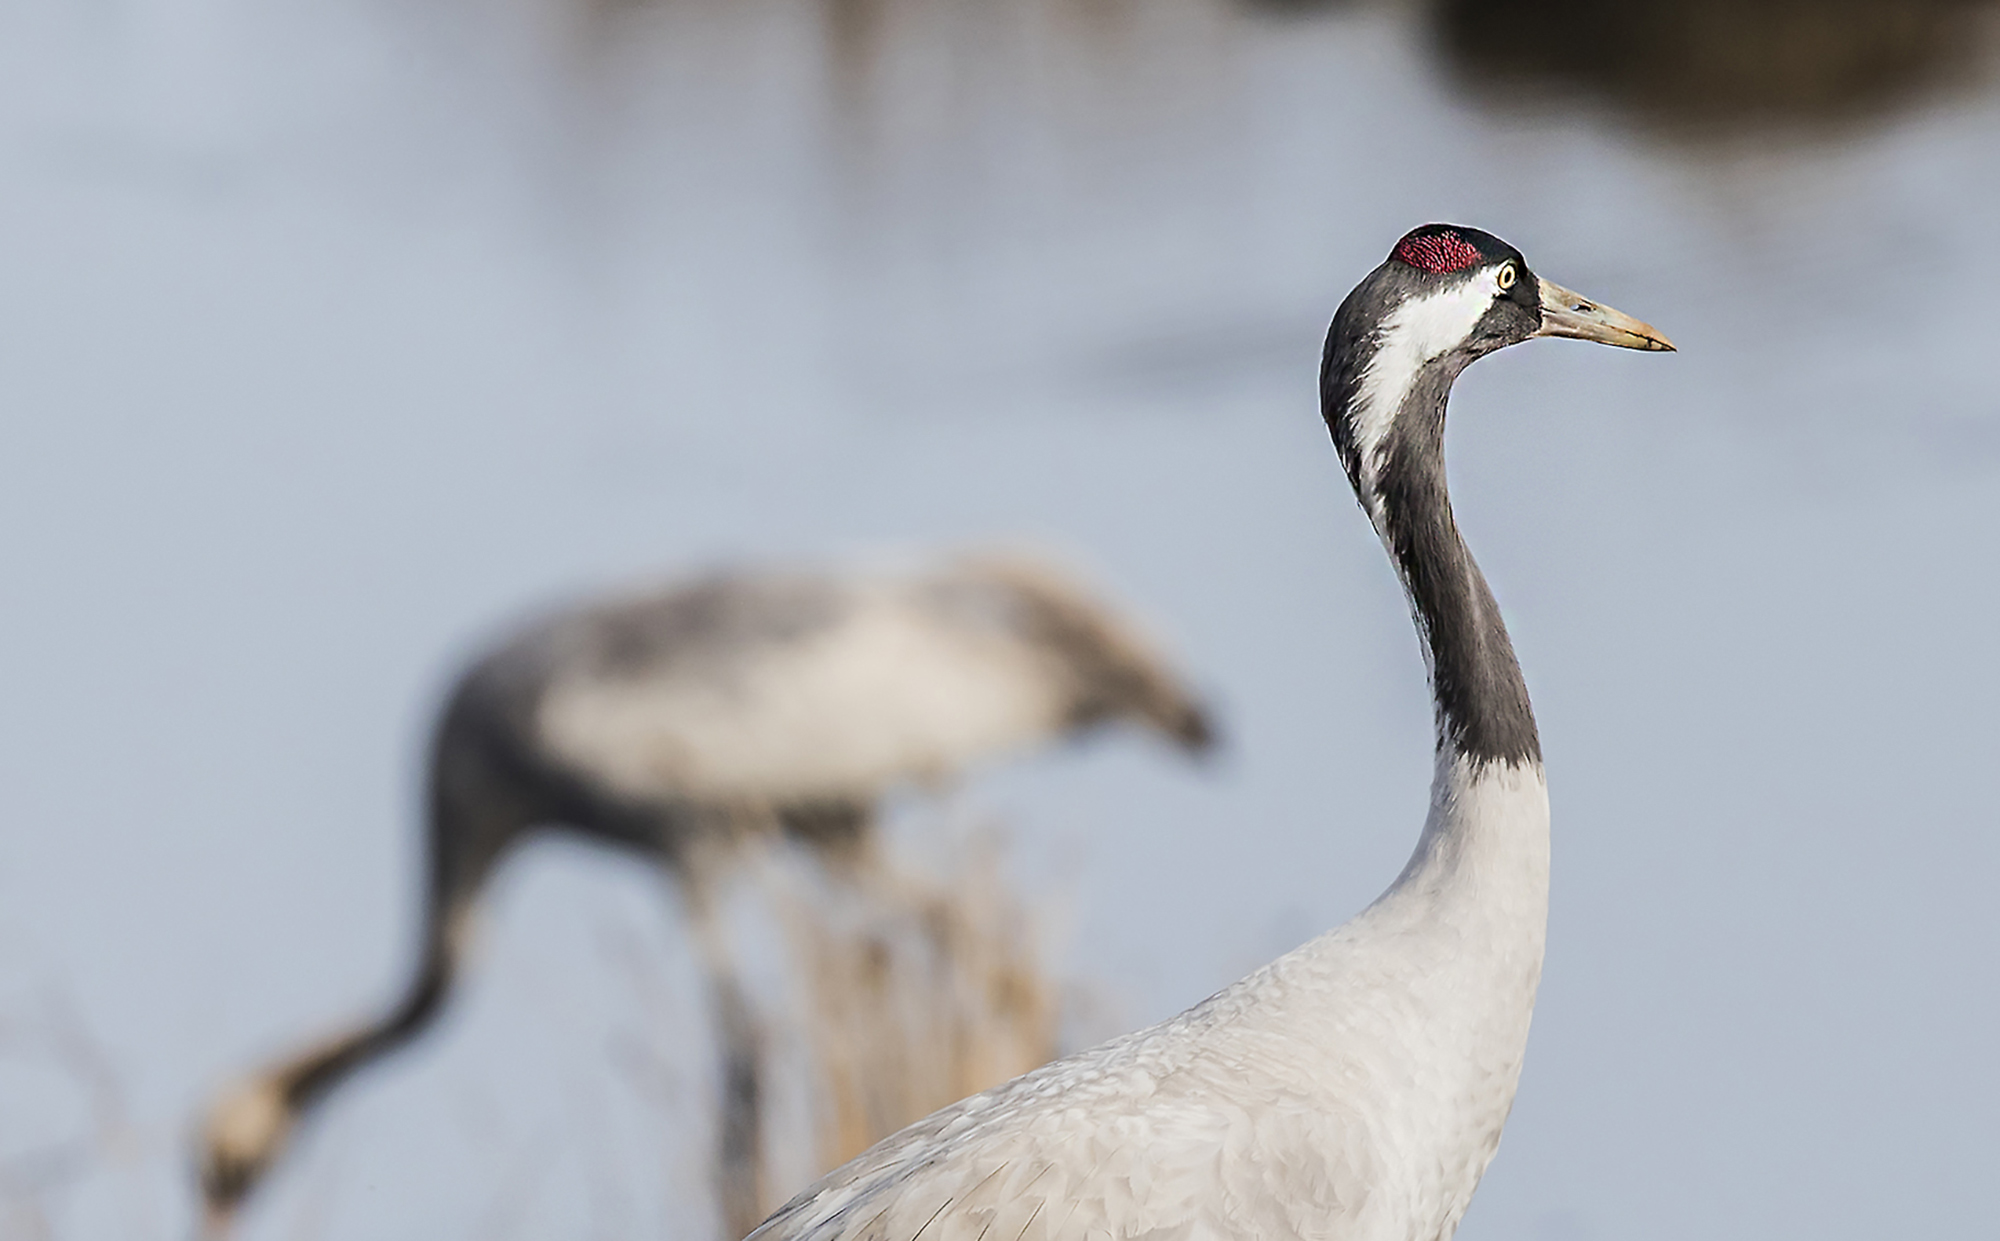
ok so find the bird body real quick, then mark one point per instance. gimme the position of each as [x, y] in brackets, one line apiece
[879, 679]
[1354, 1089]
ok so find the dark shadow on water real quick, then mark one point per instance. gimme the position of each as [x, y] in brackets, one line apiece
[1715, 65]
[1296, 8]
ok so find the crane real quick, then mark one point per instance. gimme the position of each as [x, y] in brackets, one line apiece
[680, 722]
[1355, 1088]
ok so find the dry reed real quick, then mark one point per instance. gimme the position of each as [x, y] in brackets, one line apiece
[916, 988]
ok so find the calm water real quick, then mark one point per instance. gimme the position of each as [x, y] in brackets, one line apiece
[331, 334]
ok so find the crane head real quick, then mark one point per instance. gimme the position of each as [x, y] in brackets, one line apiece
[1446, 296]
[243, 1135]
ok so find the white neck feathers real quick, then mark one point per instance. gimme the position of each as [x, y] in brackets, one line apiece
[1485, 844]
[1419, 1008]
[1415, 334]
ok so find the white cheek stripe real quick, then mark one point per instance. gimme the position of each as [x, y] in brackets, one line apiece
[1417, 332]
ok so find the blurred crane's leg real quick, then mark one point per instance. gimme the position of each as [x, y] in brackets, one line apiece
[739, 1038]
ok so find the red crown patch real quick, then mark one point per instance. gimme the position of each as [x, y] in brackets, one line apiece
[1439, 253]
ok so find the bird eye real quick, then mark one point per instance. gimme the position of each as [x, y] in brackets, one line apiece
[1508, 275]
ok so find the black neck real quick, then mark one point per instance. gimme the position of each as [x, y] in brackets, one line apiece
[1480, 699]
[308, 1079]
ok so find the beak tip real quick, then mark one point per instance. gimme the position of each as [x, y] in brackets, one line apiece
[1568, 313]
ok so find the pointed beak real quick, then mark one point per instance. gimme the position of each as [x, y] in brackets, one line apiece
[1568, 313]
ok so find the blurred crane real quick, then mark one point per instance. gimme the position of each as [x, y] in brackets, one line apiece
[678, 724]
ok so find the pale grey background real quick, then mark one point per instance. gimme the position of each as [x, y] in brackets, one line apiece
[334, 332]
